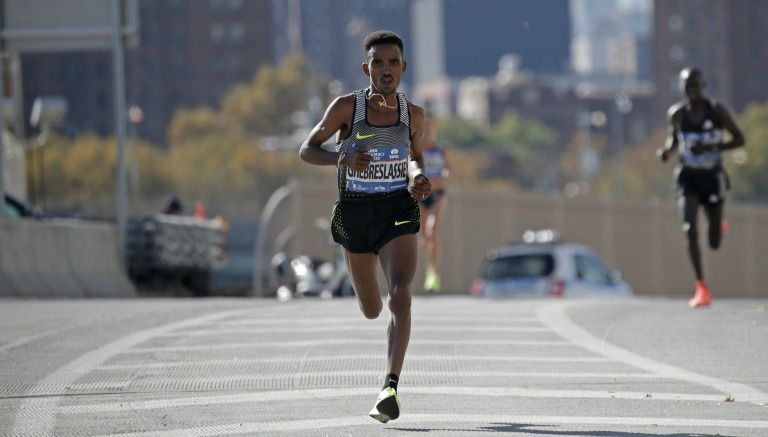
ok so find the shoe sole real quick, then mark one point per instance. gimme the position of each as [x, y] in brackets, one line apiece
[386, 410]
[699, 304]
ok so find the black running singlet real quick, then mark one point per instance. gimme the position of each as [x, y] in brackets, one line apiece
[704, 131]
[390, 147]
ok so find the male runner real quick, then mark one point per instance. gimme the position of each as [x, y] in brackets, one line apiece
[376, 218]
[696, 127]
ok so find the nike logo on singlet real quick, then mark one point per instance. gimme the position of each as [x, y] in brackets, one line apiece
[398, 222]
[362, 137]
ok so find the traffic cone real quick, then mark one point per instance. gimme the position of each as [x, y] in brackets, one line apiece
[199, 210]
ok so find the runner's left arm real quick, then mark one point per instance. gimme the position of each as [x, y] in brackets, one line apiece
[421, 186]
[737, 138]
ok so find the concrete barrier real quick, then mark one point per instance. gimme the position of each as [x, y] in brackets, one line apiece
[17, 261]
[60, 258]
[95, 261]
[50, 248]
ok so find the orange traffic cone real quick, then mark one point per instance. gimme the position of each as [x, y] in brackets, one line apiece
[702, 297]
[199, 210]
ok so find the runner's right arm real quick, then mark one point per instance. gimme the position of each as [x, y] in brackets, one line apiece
[672, 133]
[336, 119]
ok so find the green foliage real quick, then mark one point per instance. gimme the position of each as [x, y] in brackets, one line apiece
[462, 134]
[213, 155]
[523, 150]
[80, 173]
[265, 106]
[524, 139]
[748, 166]
[189, 125]
[639, 174]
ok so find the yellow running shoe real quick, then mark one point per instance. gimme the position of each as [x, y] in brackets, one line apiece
[432, 281]
[387, 406]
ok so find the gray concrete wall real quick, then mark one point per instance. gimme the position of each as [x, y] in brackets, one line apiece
[642, 239]
[62, 259]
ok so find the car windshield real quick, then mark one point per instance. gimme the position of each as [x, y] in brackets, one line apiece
[520, 266]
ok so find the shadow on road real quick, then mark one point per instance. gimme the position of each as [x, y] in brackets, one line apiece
[526, 428]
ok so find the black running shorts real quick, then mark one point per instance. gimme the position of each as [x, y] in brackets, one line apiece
[708, 186]
[364, 226]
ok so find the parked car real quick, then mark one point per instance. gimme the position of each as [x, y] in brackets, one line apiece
[542, 265]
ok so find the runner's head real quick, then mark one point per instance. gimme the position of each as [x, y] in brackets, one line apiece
[692, 83]
[383, 61]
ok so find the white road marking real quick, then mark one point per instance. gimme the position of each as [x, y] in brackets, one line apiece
[411, 358]
[44, 409]
[332, 393]
[418, 320]
[346, 341]
[553, 316]
[474, 420]
[356, 328]
[373, 374]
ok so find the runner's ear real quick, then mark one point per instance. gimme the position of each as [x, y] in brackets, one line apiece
[366, 70]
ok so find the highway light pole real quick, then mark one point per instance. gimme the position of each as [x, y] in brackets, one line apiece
[118, 67]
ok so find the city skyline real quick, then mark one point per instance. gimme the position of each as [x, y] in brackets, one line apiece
[190, 53]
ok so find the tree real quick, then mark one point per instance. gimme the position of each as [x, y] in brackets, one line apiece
[533, 147]
[521, 149]
[748, 166]
[266, 105]
[462, 134]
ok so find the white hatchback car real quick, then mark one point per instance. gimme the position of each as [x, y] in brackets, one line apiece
[542, 266]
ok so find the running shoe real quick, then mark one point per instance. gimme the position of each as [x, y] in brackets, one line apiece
[387, 406]
[702, 296]
[431, 281]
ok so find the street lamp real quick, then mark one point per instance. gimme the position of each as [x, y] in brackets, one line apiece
[47, 112]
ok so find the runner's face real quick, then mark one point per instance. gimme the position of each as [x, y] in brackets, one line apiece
[692, 86]
[385, 66]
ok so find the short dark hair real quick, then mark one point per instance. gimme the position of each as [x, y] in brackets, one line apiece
[687, 72]
[381, 37]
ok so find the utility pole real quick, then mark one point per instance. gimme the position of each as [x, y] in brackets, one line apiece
[118, 68]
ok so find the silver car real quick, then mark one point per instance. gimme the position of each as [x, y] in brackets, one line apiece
[542, 266]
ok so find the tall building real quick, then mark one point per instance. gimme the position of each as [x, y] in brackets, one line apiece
[189, 54]
[611, 38]
[456, 39]
[478, 33]
[725, 38]
[330, 33]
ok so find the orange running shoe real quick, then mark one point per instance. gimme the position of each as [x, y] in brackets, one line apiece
[702, 298]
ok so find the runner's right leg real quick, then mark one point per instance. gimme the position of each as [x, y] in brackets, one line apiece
[690, 207]
[362, 273]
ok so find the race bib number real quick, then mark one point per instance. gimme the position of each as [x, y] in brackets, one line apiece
[701, 160]
[387, 172]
